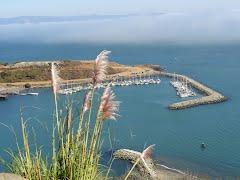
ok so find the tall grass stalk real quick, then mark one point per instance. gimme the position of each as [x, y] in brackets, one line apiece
[134, 165]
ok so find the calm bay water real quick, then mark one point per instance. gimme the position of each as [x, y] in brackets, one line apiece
[144, 116]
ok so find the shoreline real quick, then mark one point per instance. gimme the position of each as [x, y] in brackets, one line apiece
[123, 71]
[210, 96]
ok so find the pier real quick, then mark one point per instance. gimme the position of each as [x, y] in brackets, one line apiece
[211, 96]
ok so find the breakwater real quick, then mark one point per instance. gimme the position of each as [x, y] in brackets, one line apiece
[211, 96]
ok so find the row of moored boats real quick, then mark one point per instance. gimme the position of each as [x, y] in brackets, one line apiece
[182, 87]
[117, 82]
[30, 93]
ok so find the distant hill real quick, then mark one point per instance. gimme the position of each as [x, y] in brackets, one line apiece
[44, 19]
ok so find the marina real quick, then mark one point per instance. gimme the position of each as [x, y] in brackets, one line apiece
[185, 88]
[211, 96]
[116, 82]
[182, 86]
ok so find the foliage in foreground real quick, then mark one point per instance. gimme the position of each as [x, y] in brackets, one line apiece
[75, 151]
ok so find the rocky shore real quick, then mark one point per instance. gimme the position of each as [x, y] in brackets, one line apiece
[150, 170]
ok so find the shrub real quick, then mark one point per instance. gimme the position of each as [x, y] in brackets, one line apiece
[27, 85]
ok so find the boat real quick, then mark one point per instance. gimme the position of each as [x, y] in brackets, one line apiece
[32, 94]
[22, 94]
[158, 81]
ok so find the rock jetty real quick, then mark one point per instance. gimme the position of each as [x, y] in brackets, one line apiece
[211, 96]
[150, 170]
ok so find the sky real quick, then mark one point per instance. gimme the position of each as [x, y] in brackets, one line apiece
[202, 21]
[12, 8]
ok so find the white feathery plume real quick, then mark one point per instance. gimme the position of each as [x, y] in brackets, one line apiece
[87, 101]
[100, 67]
[147, 153]
[109, 106]
[55, 78]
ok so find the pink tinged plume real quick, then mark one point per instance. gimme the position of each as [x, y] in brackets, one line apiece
[109, 106]
[55, 78]
[87, 101]
[100, 67]
[147, 153]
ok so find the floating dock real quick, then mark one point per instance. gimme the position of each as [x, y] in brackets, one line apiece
[211, 96]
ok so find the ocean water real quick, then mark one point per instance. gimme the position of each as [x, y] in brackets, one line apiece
[145, 118]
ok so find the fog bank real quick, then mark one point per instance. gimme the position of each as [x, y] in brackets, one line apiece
[177, 27]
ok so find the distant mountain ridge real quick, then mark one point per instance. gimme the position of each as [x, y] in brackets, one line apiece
[45, 19]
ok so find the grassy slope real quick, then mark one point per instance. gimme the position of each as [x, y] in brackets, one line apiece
[68, 70]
